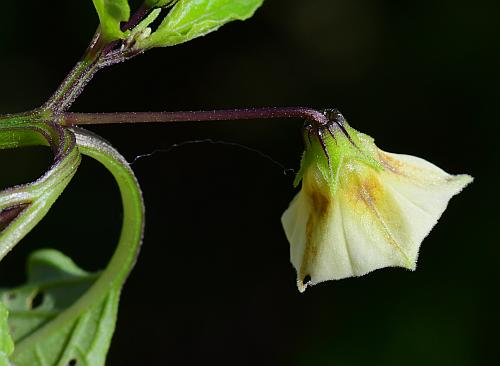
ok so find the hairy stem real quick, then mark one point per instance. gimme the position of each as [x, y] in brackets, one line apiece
[78, 77]
[99, 54]
[312, 115]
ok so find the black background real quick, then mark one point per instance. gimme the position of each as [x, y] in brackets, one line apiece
[213, 283]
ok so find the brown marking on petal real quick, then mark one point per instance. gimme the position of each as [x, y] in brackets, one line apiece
[365, 188]
[10, 214]
[370, 190]
[381, 212]
[393, 164]
[320, 202]
[320, 206]
[417, 174]
[310, 249]
[378, 204]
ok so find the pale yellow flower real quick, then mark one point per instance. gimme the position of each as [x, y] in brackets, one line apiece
[360, 208]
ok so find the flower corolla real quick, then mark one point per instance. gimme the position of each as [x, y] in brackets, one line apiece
[361, 208]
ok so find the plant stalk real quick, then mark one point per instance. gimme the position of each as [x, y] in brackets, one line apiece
[94, 58]
[311, 115]
[74, 83]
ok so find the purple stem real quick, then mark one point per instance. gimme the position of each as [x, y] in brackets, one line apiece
[135, 18]
[312, 115]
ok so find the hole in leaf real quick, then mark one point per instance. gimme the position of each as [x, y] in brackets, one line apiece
[9, 214]
[37, 300]
[11, 296]
[306, 280]
[72, 362]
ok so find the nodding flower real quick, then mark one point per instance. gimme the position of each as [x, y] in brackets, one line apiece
[360, 208]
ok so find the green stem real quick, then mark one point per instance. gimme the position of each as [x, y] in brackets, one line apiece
[37, 115]
[133, 207]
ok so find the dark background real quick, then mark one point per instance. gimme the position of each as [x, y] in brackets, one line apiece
[213, 283]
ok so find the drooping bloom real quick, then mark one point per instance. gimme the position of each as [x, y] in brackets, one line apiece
[360, 208]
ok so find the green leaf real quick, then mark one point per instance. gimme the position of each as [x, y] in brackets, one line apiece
[54, 284]
[189, 19]
[111, 14]
[6, 343]
[141, 30]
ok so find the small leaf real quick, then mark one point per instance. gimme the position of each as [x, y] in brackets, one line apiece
[6, 343]
[141, 30]
[189, 19]
[146, 22]
[111, 14]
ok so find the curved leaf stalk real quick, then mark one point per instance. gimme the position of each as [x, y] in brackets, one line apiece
[37, 115]
[30, 202]
[82, 333]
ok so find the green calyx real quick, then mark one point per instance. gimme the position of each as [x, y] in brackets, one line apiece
[328, 150]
